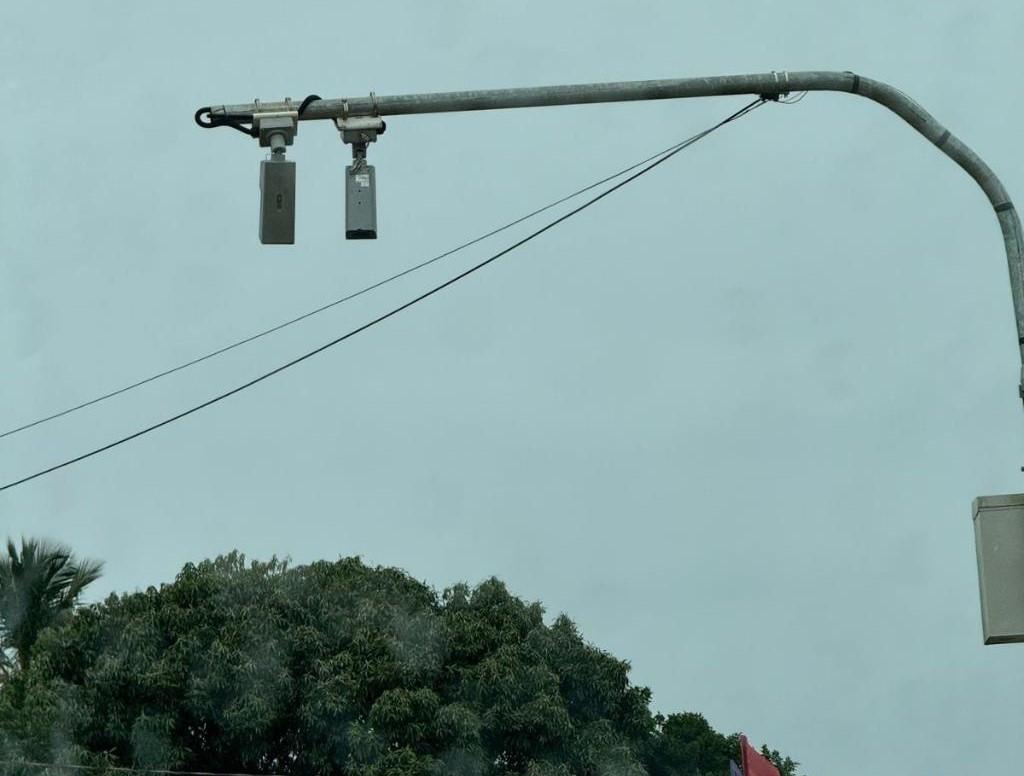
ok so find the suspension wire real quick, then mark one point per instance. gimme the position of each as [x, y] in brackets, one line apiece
[348, 297]
[395, 311]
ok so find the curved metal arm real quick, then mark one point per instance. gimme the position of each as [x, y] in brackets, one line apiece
[766, 84]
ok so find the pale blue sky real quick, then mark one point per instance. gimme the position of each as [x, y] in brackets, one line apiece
[731, 420]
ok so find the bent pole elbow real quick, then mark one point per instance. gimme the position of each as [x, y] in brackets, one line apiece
[1009, 220]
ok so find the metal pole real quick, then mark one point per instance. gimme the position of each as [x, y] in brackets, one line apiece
[767, 84]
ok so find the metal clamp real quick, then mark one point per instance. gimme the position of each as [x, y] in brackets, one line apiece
[781, 90]
[360, 129]
[276, 129]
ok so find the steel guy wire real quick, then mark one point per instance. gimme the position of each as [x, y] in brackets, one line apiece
[348, 297]
[381, 318]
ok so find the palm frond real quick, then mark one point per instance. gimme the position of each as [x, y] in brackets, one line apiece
[40, 583]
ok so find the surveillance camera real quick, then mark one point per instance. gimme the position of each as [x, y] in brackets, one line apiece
[360, 202]
[277, 201]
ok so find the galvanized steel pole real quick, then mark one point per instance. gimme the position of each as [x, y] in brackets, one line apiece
[767, 84]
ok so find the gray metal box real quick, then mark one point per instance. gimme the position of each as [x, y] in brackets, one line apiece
[999, 537]
[360, 202]
[277, 202]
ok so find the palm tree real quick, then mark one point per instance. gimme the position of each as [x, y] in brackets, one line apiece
[39, 586]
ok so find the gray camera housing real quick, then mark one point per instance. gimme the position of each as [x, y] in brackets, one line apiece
[277, 201]
[360, 202]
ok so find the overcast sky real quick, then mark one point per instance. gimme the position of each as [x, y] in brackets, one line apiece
[730, 419]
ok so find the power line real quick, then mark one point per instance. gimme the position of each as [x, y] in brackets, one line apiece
[329, 305]
[220, 397]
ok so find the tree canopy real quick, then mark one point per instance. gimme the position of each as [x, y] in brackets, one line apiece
[338, 668]
[39, 586]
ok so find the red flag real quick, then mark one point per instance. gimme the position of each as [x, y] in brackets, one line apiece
[754, 763]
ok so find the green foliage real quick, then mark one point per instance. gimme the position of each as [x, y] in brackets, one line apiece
[338, 668]
[786, 765]
[39, 586]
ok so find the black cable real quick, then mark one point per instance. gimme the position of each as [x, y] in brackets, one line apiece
[211, 121]
[336, 302]
[221, 121]
[307, 101]
[743, 111]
